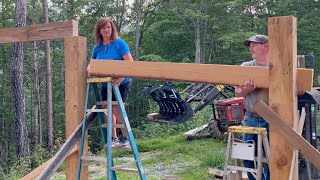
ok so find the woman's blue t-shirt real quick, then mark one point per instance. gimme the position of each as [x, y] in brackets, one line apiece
[115, 50]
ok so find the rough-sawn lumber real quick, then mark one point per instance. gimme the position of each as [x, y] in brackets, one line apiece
[203, 73]
[57, 30]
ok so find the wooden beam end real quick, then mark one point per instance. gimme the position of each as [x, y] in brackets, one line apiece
[75, 28]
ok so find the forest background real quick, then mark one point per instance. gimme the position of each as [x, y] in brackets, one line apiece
[32, 113]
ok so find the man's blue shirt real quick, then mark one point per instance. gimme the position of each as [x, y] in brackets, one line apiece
[115, 50]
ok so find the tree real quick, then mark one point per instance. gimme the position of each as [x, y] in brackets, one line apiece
[37, 136]
[137, 35]
[48, 82]
[21, 130]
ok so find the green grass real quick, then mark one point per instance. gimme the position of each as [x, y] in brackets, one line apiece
[178, 156]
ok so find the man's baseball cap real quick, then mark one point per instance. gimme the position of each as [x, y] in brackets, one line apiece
[263, 39]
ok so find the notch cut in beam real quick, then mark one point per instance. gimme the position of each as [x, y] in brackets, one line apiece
[202, 73]
[57, 30]
[308, 151]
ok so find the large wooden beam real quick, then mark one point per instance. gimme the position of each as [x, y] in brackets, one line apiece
[291, 136]
[204, 73]
[282, 33]
[75, 94]
[58, 30]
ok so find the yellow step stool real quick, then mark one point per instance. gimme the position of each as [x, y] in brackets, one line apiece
[245, 150]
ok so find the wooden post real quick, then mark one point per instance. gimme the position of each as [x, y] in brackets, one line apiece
[75, 92]
[282, 89]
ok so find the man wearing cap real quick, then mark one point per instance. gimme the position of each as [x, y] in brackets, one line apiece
[258, 45]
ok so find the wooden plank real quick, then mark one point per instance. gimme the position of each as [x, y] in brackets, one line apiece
[36, 172]
[105, 103]
[121, 126]
[61, 155]
[57, 30]
[202, 73]
[125, 148]
[153, 116]
[299, 128]
[282, 33]
[170, 177]
[75, 92]
[124, 169]
[290, 135]
[195, 130]
[215, 171]
[94, 158]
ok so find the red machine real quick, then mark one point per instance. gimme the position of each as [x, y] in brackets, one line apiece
[226, 112]
[231, 109]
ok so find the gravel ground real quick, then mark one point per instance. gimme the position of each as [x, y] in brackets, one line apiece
[158, 171]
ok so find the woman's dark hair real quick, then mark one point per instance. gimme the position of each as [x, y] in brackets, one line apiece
[101, 23]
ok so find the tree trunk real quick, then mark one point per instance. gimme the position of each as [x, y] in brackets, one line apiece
[120, 10]
[36, 91]
[137, 42]
[197, 43]
[48, 82]
[4, 135]
[5, 124]
[17, 84]
[203, 46]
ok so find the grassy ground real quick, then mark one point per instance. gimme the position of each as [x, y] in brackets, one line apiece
[172, 155]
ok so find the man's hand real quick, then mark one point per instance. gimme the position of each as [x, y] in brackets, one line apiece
[244, 89]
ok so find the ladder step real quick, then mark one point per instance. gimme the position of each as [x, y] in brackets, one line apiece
[125, 148]
[114, 126]
[102, 103]
[99, 79]
[94, 158]
[246, 129]
[97, 110]
[124, 169]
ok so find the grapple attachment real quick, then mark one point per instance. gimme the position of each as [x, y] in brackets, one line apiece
[172, 109]
[175, 110]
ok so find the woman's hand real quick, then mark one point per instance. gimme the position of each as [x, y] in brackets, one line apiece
[117, 81]
[88, 70]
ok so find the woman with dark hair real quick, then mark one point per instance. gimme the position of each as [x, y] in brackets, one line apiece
[109, 46]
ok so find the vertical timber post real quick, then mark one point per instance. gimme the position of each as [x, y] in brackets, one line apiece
[282, 33]
[75, 93]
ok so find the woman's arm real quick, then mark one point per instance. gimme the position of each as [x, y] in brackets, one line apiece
[126, 57]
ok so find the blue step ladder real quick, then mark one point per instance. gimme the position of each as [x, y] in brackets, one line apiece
[106, 130]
